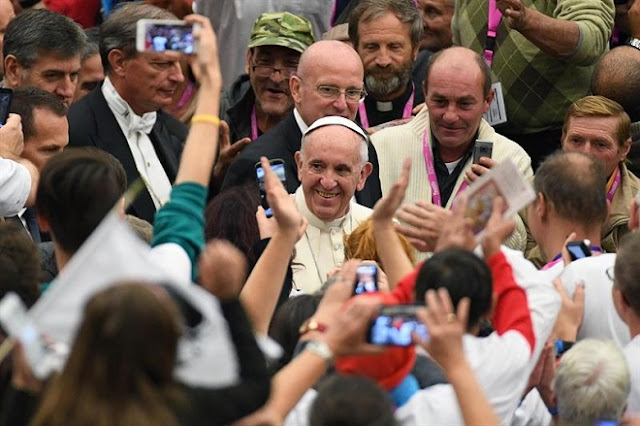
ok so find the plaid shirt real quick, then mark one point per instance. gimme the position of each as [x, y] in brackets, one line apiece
[538, 88]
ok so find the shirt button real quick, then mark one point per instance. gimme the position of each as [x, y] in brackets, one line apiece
[336, 247]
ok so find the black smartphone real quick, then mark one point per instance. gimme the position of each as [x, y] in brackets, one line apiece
[482, 149]
[277, 165]
[578, 249]
[366, 279]
[6, 95]
[395, 325]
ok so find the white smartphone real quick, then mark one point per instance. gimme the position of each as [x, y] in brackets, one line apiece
[161, 35]
[16, 321]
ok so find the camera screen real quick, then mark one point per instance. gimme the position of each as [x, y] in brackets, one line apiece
[396, 330]
[162, 37]
[278, 169]
[366, 279]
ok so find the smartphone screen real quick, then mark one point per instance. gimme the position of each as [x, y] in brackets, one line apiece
[366, 279]
[578, 250]
[277, 166]
[5, 103]
[395, 325]
[482, 149]
[162, 35]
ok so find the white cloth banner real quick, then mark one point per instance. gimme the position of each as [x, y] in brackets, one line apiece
[206, 356]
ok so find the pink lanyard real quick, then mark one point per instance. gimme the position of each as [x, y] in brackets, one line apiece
[406, 112]
[431, 172]
[254, 124]
[614, 186]
[495, 16]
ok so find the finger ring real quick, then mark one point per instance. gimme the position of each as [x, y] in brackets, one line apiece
[451, 317]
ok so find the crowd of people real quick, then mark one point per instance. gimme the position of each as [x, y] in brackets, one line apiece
[166, 275]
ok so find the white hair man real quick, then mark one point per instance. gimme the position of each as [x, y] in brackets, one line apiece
[591, 383]
[332, 165]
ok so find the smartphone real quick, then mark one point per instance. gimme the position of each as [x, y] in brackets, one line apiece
[482, 149]
[395, 325]
[578, 249]
[19, 325]
[277, 165]
[6, 95]
[158, 35]
[366, 279]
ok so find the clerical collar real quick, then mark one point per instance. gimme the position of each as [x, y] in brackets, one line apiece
[384, 106]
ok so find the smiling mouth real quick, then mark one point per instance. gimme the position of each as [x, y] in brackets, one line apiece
[327, 195]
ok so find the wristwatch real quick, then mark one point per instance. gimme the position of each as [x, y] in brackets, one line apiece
[311, 325]
[320, 348]
[635, 42]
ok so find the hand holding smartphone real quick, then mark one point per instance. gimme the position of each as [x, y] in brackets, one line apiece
[395, 325]
[159, 35]
[6, 95]
[277, 165]
[579, 249]
[482, 149]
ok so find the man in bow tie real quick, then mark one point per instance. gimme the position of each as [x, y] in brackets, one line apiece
[124, 115]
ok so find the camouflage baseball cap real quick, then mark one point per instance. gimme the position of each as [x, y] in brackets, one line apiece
[282, 29]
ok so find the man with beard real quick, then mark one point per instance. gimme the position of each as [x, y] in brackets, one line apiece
[387, 36]
[259, 100]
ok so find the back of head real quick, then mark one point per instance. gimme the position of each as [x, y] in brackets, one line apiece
[575, 186]
[120, 370]
[592, 383]
[19, 264]
[27, 99]
[361, 244]
[118, 31]
[351, 401]
[600, 106]
[231, 216]
[617, 77]
[77, 188]
[404, 10]
[463, 274]
[286, 322]
[92, 46]
[627, 270]
[41, 32]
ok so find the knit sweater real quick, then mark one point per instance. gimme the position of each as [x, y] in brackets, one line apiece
[538, 88]
[394, 144]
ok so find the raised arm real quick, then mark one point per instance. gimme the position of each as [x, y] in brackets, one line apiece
[262, 289]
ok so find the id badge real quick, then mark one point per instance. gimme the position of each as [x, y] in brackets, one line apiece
[497, 113]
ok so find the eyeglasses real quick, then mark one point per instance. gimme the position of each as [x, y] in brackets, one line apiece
[333, 93]
[265, 71]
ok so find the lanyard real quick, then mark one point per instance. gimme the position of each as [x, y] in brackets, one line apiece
[406, 112]
[613, 184]
[558, 258]
[254, 124]
[495, 16]
[431, 172]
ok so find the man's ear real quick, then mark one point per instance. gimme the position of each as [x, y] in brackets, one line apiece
[247, 66]
[488, 100]
[12, 71]
[624, 149]
[294, 87]
[117, 61]
[541, 206]
[298, 157]
[364, 174]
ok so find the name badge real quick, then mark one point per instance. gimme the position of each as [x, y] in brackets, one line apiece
[497, 113]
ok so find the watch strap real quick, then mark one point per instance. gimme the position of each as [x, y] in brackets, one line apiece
[320, 348]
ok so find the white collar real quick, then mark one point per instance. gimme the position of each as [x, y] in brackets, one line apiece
[130, 122]
[301, 124]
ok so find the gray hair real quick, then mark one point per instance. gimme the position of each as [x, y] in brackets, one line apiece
[119, 30]
[404, 10]
[592, 383]
[34, 33]
[627, 270]
[92, 47]
[364, 145]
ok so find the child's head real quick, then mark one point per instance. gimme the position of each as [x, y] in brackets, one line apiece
[463, 274]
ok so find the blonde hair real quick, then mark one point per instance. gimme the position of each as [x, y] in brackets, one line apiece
[599, 106]
[361, 244]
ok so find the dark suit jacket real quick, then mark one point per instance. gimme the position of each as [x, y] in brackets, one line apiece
[91, 123]
[282, 142]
